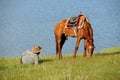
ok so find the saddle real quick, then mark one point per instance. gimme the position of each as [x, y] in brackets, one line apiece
[72, 22]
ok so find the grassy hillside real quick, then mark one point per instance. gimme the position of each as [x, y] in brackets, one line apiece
[99, 67]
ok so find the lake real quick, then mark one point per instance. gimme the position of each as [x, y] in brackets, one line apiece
[25, 23]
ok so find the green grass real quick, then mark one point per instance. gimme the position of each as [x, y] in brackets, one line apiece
[111, 50]
[99, 67]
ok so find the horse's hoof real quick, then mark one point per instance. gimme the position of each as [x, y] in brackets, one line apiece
[90, 56]
[60, 57]
[74, 56]
[84, 55]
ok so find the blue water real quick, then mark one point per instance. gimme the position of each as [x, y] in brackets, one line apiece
[25, 23]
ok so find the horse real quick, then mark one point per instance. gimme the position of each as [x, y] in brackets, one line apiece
[82, 30]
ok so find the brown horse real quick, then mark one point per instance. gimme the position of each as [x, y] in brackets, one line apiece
[83, 30]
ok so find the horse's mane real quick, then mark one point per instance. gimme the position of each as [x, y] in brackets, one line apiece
[87, 19]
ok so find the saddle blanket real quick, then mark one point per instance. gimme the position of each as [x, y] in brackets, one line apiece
[72, 22]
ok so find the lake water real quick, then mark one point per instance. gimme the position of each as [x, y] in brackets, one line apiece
[25, 23]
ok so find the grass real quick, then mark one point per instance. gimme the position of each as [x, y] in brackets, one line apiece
[111, 50]
[99, 67]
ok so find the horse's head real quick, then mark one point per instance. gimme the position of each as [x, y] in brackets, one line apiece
[90, 47]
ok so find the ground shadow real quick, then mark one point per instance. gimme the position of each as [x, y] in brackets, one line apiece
[45, 60]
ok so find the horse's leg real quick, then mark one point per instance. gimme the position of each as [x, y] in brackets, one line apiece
[59, 48]
[60, 42]
[85, 47]
[76, 47]
[56, 46]
[63, 38]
